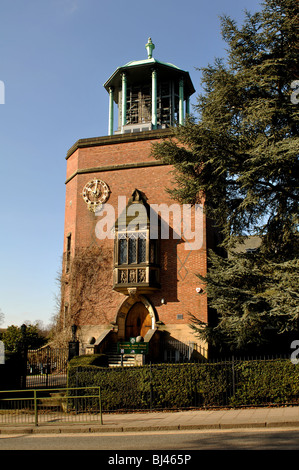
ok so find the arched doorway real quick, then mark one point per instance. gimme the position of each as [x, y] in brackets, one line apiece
[138, 321]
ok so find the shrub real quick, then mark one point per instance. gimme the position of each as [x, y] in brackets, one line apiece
[176, 386]
[260, 382]
[100, 360]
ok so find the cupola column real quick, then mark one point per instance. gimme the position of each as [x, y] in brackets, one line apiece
[111, 115]
[124, 99]
[154, 99]
[181, 101]
[188, 106]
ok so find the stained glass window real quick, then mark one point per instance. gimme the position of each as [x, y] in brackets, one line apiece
[132, 250]
[141, 250]
[122, 247]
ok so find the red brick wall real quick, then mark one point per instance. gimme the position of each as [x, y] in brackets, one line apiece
[178, 266]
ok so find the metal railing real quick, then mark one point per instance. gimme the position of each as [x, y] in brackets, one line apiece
[229, 383]
[175, 351]
[46, 367]
[50, 406]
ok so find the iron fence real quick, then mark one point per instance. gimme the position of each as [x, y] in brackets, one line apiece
[155, 387]
[175, 351]
[50, 406]
[46, 367]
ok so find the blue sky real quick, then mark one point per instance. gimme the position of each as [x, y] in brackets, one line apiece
[55, 56]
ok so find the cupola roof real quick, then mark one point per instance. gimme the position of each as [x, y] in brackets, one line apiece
[138, 71]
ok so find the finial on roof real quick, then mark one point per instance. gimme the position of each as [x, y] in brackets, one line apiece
[149, 47]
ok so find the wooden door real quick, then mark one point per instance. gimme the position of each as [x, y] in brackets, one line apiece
[138, 321]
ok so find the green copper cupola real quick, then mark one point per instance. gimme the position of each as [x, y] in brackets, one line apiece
[149, 94]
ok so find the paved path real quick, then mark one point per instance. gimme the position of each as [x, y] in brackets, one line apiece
[171, 421]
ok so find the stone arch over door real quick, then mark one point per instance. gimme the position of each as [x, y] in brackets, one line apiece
[138, 321]
[127, 306]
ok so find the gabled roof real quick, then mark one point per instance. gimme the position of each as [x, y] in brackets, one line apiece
[142, 218]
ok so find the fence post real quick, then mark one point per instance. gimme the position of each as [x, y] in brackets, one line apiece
[23, 349]
[193, 395]
[233, 372]
[151, 387]
[47, 365]
[100, 403]
[35, 409]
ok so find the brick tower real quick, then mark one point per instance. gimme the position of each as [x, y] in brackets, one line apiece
[130, 264]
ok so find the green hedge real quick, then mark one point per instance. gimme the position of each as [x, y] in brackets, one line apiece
[117, 388]
[191, 385]
[100, 360]
[157, 387]
[261, 382]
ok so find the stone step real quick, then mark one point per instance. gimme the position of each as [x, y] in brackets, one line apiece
[115, 359]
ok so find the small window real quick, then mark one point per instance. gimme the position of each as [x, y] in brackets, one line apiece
[122, 246]
[68, 252]
[141, 250]
[132, 250]
[131, 247]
